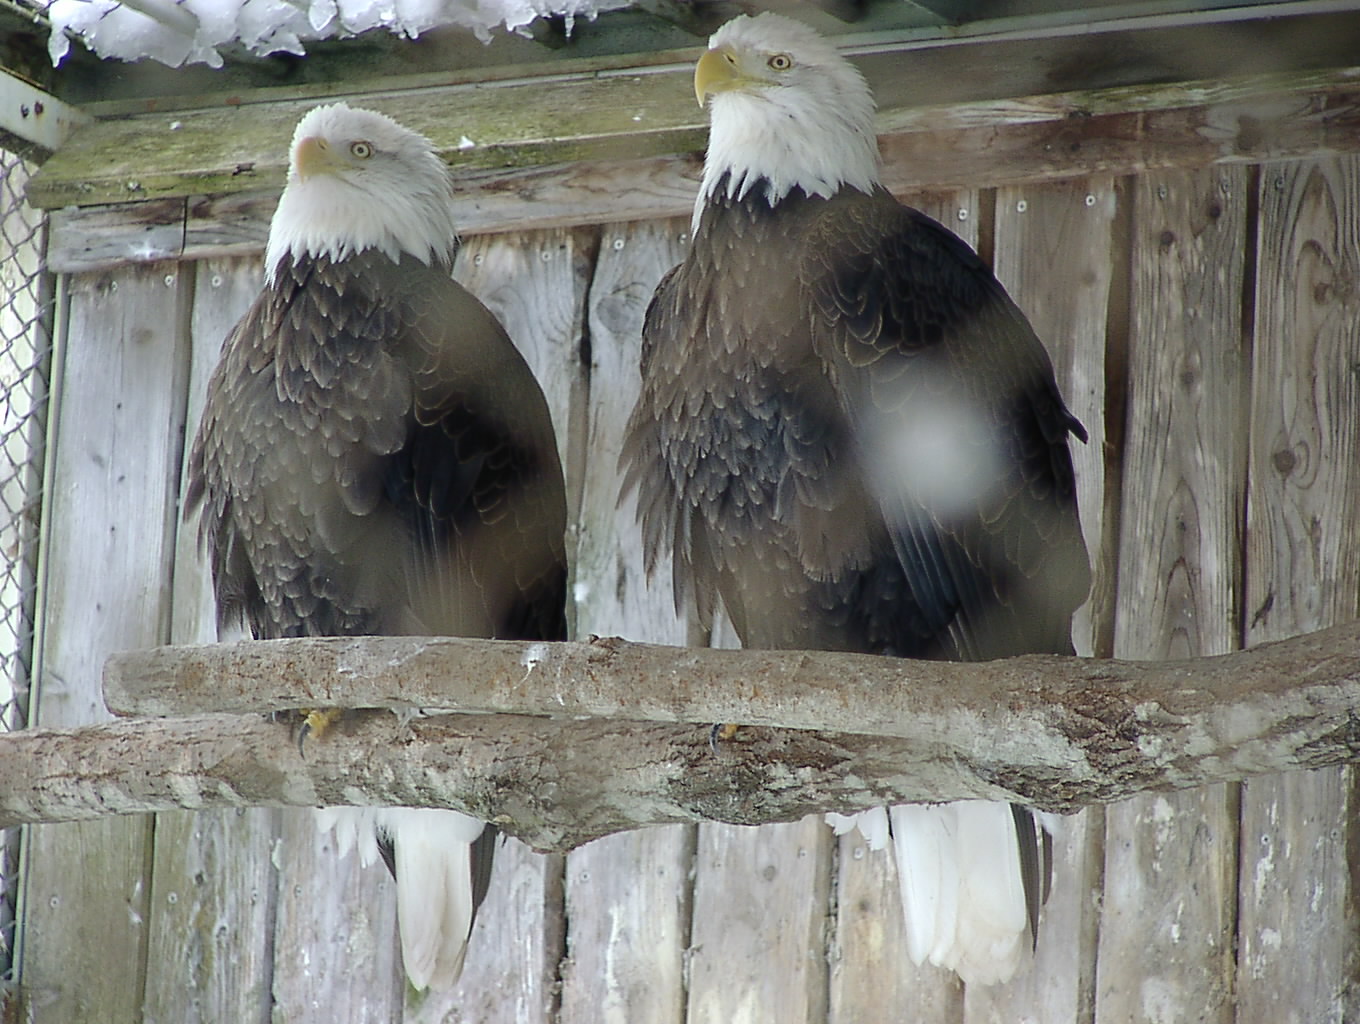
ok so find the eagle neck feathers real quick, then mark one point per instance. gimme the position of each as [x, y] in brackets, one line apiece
[325, 217]
[770, 144]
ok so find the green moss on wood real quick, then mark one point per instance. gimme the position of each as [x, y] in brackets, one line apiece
[232, 149]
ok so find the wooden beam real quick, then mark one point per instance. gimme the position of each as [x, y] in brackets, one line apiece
[1009, 142]
[641, 105]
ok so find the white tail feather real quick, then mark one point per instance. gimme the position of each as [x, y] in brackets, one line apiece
[433, 856]
[958, 873]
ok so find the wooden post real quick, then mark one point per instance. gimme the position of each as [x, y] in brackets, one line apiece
[1166, 932]
[114, 465]
[214, 884]
[1298, 949]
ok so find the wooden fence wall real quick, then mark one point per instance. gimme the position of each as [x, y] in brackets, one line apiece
[1206, 326]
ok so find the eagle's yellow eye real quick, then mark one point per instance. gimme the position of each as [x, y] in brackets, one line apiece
[362, 150]
[781, 62]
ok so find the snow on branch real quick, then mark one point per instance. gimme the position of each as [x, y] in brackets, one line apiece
[596, 737]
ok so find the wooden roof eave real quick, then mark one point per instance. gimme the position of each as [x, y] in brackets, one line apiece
[630, 148]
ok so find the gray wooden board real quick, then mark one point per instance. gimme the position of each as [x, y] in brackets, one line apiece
[1053, 252]
[1298, 955]
[628, 896]
[120, 420]
[872, 975]
[612, 596]
[211, 916]
[214, 886]
[1167, 924]
[336, 955]
[758, 952]
[628, 915]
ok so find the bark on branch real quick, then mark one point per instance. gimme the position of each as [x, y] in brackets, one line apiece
[628, 741]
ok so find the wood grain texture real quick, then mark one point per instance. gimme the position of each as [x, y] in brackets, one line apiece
[214, 888]
[612, 597]
[1298, 950]
[628, 895]
[1054, 252]
[1168, 916]
[648, 168]
[758, 951]
[335, 950]
[628, 913]
[115, 462]
[648, 113]
[872, 976]
[511, 973]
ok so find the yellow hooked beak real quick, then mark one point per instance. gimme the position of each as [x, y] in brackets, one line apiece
[313, 155]
[717, 71]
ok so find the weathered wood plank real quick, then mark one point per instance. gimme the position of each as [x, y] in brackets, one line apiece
[1052, 250]
[211, 919]
[648, 112]
[611, 595]
[986, 143]
[758, 949]
[516, 945]
[335, 948]
[628, 911]
[105, 237]
[1054, 253]
[120, 422]
[1167, 924]
[1298, 954]
[213, 883]
[628, 896]
[872, 975]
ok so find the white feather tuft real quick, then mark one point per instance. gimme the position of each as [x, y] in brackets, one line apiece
[433, 857]
[963, 900]
[397, 199]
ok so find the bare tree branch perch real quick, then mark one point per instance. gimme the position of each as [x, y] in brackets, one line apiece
[1054, 732]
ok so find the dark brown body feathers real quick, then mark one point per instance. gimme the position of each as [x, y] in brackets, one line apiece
[376, 457]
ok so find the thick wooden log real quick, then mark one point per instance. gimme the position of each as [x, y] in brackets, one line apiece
[1057, 733]
[1075, 717]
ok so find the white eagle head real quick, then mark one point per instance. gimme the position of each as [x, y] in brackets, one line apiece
[358, 180]
[786, 108]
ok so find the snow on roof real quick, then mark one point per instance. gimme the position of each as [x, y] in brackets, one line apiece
[177, 32]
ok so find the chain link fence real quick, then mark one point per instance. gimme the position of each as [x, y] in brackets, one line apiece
[25, 351]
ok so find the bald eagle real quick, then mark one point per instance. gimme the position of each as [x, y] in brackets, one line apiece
[375, 457]
[849, 434]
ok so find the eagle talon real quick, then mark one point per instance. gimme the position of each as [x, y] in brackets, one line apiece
[722, 731]
[316, 721]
